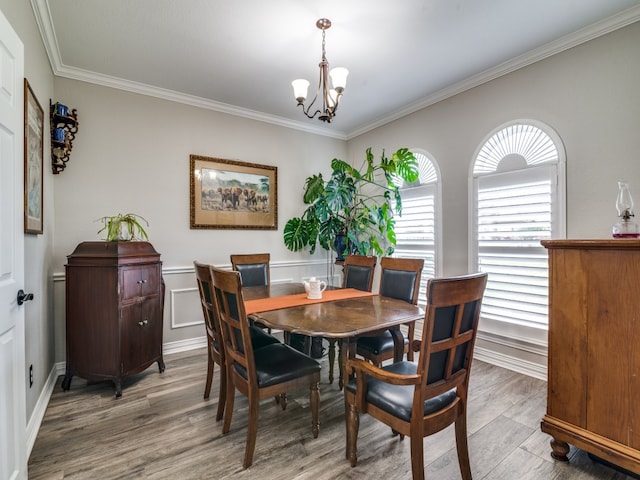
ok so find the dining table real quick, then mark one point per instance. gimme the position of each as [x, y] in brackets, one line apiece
[341, 314]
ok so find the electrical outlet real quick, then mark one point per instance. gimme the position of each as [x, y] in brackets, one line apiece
[30, 376]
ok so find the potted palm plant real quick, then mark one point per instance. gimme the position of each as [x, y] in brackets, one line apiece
[356, 204]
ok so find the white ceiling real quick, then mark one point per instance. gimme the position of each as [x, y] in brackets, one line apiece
[239, 56]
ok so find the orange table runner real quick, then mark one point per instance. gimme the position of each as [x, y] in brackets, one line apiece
[275, 303]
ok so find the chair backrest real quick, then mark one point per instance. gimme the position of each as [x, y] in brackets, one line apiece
[400, 278]
[227, 292]
[357, 272]
[254, 268]
[449, 333]
[212, 325]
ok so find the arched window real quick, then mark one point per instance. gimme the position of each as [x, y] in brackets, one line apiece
[418, 229]
[519, 199]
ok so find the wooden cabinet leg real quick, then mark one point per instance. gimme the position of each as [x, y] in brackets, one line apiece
[559, 450]
[118, 384]
[161, 365]
[68, 375]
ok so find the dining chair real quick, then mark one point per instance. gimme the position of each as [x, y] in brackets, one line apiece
[357, 272]
[272, 370]
[255, 271]
[215, 350]
[399, 278]
[419, 399]
[253, 267]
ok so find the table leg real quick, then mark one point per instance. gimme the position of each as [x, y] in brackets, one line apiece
[347, 351]
[332, 358]
[398, 344]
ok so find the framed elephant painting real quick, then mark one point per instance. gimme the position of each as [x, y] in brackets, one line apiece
[232, 194]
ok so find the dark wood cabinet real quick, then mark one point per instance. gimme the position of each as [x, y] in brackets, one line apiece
[114, 302]
[594, 360]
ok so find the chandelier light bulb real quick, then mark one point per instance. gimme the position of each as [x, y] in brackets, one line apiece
[300, 88]
[339, 78]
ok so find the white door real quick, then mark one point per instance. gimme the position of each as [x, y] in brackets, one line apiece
[13, 421]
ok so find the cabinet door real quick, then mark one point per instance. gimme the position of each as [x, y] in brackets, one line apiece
[568, 347]
[612, 312]
[141, 335]
[139, 281]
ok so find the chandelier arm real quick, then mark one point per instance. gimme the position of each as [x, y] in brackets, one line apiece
[315, 97]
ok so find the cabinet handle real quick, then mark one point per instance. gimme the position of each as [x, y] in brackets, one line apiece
[140, 282]
[143, 322]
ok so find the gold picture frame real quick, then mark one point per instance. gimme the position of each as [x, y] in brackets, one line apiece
[33, 161]
[231, 194]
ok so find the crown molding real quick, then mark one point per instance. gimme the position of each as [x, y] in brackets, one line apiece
[45, 25]
[610, 24]
[192, 100]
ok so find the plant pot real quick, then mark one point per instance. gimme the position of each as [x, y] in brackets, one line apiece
[340, 245]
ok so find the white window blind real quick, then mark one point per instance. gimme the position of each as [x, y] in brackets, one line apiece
[416, 228]
[518, 202]
[514, 212]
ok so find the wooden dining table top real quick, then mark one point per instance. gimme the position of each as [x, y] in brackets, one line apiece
[333, 319]
[275, 290]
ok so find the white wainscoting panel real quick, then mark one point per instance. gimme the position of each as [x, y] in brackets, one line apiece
[186, 308]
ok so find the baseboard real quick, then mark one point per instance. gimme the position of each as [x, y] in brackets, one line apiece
[33, 426]
[184, 345]
[509, 362]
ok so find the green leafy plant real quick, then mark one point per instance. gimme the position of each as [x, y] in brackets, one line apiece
[358, 203]
[125, 227]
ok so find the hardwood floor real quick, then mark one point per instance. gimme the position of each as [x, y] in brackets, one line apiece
[162, 428]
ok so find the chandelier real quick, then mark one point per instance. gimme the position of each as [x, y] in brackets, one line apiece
[330, 96]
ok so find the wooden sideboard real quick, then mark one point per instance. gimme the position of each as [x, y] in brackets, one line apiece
[593, 387]
[114, 303]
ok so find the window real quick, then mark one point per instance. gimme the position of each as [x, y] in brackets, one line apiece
[417, 229]
[518, 192]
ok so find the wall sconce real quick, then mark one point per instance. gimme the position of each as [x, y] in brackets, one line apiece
[64, 126]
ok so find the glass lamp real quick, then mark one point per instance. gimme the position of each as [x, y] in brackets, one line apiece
[626, 227]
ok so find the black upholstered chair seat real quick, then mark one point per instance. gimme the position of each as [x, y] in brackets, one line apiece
[260, 338]
[378, 344]
[279, 363]
[398, 399]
